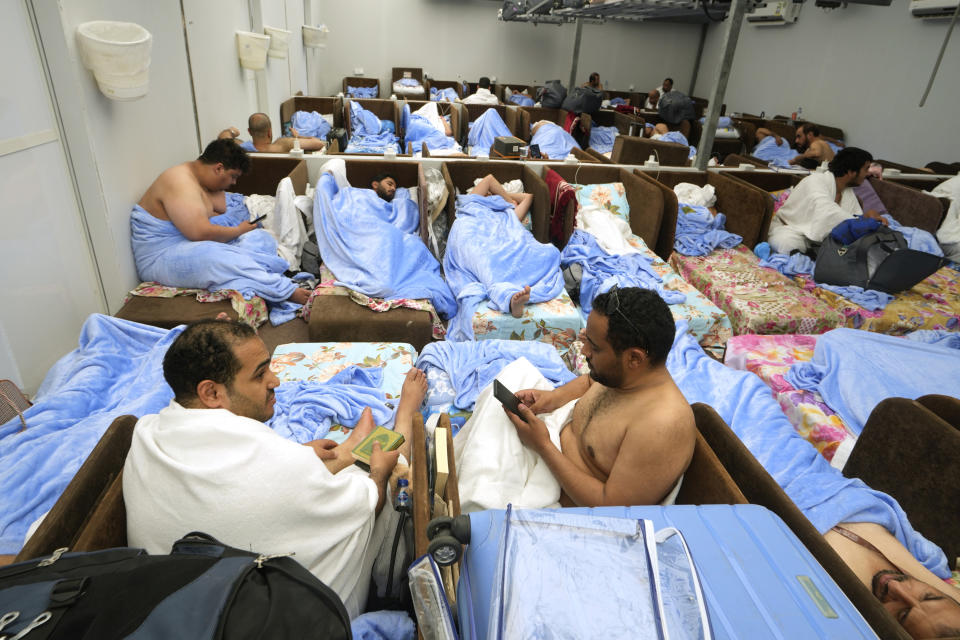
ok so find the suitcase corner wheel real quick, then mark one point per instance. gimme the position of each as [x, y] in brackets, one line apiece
[447, 536]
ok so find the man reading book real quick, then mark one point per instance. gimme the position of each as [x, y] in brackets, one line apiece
[207, 462]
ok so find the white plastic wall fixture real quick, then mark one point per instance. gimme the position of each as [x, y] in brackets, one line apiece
[279, 41]
[118, 53]
[252, 50]
[315, 37]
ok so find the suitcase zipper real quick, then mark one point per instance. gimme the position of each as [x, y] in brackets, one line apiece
[53, 558]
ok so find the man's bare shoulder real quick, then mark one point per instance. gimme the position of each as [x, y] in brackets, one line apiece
[178, 181]
[667, 416]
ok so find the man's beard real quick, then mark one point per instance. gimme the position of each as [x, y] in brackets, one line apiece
[386, 195]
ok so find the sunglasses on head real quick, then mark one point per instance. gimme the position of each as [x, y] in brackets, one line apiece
[616, 308]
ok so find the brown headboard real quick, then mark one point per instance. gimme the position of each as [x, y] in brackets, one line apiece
[358, 81]
[266, 173]
[909, 207]
[460, 174]
[360, 174]
[647, 212]
[309, 103]
[445, 84]
[383, 109]
[636, 150]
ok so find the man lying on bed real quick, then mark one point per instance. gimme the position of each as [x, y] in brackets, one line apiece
[206, 462]
[261, 134]
[624, 435]
[176, 244]
[820, 202]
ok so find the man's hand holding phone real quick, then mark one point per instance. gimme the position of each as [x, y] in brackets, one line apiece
[531, 430]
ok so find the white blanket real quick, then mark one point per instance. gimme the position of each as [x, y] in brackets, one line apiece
[688, 193]
[493, 467]
[235, 479]
[610, 230]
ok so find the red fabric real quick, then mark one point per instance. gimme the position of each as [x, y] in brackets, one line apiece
[561, 193]
[570, 122]
[625, 108]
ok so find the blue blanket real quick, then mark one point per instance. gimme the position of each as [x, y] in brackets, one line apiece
[699, 232]
[247, 145]
[310, 124]
[305, 410]
[368, 134]
[361, 92]
[248, 264]
[773, 154]
[521, 100]
[369, 254]
[490, 255]
[602, 271]
[916, 238]
[117, 370]
[383, 625]
[679, 138]
[723, 122]
[854, 370]
[553, 141]
[483, 130]
[820, 491]
[419, 130]
[449, 94]
[473, 365]
[602, 138]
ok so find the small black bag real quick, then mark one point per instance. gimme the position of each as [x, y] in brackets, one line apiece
[878, 260]
[551, 94]
[340, 135]
[202, 590]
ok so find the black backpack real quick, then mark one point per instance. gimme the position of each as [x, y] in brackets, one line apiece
[878, 260]
[552, 94]
[203, 589]
[675, 107]
[583, 100]
[340, 135]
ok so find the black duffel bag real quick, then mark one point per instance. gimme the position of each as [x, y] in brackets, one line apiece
[202, 590]
[878, 260]
[551, 94]
[583, 100]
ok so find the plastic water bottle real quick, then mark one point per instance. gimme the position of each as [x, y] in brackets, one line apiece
[402, 500]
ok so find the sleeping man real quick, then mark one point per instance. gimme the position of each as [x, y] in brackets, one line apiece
[820, 202]
[176, 243]
[624, 435]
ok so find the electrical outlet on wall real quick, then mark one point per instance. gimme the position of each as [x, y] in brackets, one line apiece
[493, 79]
[358, 71]
[631, 88]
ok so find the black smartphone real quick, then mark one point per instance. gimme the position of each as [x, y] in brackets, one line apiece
[535, 151]
[506, 397]
[256, 220]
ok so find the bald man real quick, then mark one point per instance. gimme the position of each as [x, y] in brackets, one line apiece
[261, 134]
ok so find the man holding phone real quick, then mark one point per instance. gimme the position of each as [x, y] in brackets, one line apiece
[630, 433]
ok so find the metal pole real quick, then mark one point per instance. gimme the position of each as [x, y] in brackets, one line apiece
[696, 62]
[734, 21]
[943, 47]
[576, 55]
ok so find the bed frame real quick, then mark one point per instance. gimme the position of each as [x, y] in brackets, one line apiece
[636, 150]
[308, 103]
[359, 81]
[456, 85]
[460, 174]
[649, 217]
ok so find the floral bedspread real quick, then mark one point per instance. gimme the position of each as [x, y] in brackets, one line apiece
[327, 287]
[253, 312]
[556, 322]
[756, 299]
[770, 357]
[707, 323]
[932, 304]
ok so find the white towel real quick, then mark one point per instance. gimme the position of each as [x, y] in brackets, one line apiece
[610, 230]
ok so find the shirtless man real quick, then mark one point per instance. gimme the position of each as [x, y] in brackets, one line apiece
[261, 133]
[490, 186]
[191, 193]
[594, 82]
[813, 148]
[632, 433]
[923, 604]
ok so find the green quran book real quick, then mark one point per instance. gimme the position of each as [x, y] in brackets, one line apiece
[389, 440]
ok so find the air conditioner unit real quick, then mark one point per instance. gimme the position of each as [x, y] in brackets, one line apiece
[932, 8]
[772, 14]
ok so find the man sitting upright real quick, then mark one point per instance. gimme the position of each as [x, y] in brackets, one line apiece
[176, 244]
[483, 94]
[622, 435]
[813, 149]
[820, 202]
[207, 462]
